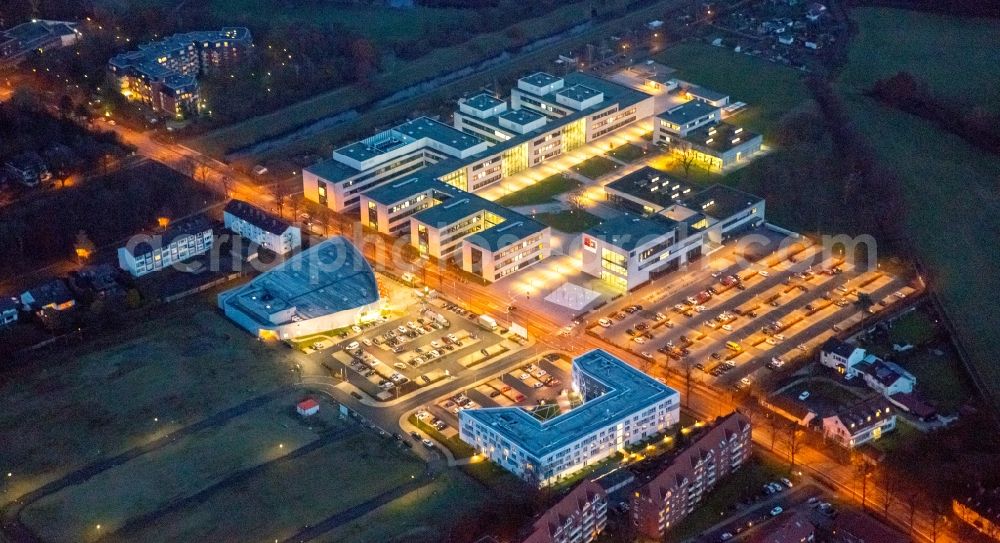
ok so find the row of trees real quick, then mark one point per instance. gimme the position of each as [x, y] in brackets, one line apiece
[976, 125]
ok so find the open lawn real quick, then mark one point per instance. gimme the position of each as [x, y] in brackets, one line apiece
[278, 501]
[737, 487]
[769, 90]
[627, 153]
[914, 328]
[595, 167]
[570, 221]
[395, 77]
[180, 469]
[940, 378]
[91, 400]
[541, 192]
[425, 515]
[949, 186]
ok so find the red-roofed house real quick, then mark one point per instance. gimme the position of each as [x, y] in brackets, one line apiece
[676, 491]
[578, 518]
[307, 407]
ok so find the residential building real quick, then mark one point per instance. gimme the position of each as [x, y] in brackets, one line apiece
[789, 408]
[858, 424]
[621, 406]
[841, 356]
[261, 227]
[148, 253]
[980, 509]
[163, 75]
[675, 492]
[99, 279]
[854, 527]
[51, 295]
[795, 528]
[491, 139]
[9, 309]
[888, 378]
[579, 517]
[36, 35]
[326, 287]
[28, 169]
[676, 225]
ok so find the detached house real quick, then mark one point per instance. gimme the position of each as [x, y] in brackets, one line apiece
[841, 356]
[860, 423]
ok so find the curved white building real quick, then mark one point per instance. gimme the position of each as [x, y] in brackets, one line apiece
[326, 287]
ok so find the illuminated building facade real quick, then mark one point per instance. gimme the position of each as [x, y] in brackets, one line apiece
[676, 491]
[163, 75]
[621, 406]
[670, 225]
[182, 240]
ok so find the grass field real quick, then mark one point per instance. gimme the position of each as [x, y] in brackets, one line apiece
[277, 502]
[570, 221]
[181, 468]
[627, 152]
[915, 328]
[423, 516]
[541, 192]
[941, 379]
[739, 486]
[398, 76]
[595, 167]
[950, 187]
[94, 399]
[769, 90]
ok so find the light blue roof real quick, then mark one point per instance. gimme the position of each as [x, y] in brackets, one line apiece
[628, 391]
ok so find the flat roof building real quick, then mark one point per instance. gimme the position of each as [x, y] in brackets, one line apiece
[261, 227]
[153, 252]
[673, 225]
[621, 406]
[718, 146]
[682, 119]
[326, 287]
[35, 35]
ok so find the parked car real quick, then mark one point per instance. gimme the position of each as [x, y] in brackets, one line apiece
[804, 396]
[776, 511]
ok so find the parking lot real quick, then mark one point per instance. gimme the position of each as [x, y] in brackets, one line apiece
[540, 383]
[733, 322]
[393, 357]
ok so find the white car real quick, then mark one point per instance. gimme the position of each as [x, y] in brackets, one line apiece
[727, 327]
[435, 344]
[700, 308]
[399, 366]
[453, 337]
[746, 381]
[523, 376]
[541, 373]
[401, 329]
[367, 342]
[605, 323]
[537, 385]
[353, 346]
[355, 328]
[764, 273]
[804, 396]
[776, 511]
[777, 362]
[779, 337]
[785, 481]
[639, 339]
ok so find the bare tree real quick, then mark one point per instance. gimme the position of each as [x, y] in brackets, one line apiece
[279, 194]
[688, 373]
[911, 505]
[794, 444]
[888, 487]
[687, 160]
[201, 171]
[83, 247]
[227, 185]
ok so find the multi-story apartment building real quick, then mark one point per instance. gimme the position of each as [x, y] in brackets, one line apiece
[163, 74]
[148, 253]
[676, 491]
[621, 406]
[795, 528]
[672, 225]
[35, 35]
[579, 517]
[856, 425]
[262, 228]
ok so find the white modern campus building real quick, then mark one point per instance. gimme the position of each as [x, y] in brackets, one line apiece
[148, 253]
[325, 287]
[670, 224]
[621, 406]
[262, 228]
[419, 179]
[696, 127]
